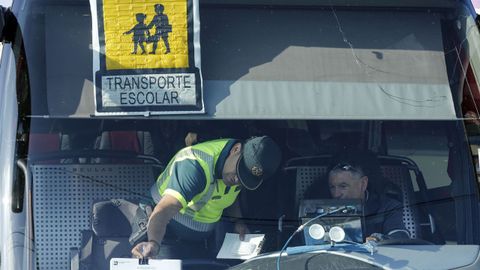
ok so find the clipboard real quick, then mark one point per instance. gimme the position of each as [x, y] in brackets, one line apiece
[139, 264]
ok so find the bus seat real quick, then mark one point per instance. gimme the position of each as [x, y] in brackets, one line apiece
[310, 183]
[109, 238]
[109, 234]
[57, 189]
[135, 141]
[43, 142]
[306, 176]
[400, 177]
[139, 142]
[96, 252]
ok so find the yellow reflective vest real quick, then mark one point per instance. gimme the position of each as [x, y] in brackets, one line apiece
[207, 206]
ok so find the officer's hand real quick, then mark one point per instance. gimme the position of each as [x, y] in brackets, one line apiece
[146, 250]
[241, 229]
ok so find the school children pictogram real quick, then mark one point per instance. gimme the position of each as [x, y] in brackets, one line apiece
[162, 29]
[145, 59]
[140, 33]
[147, 34]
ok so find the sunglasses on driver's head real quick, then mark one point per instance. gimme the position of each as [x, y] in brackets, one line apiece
[346, 167]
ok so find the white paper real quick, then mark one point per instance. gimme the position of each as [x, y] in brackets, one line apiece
[233, 248]
[133, 264]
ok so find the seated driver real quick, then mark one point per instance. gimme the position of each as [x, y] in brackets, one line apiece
[349, 179]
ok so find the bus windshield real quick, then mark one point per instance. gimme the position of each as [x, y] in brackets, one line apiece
[328, 82]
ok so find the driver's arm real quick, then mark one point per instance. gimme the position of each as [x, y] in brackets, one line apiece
[187, 179]
[393, 226]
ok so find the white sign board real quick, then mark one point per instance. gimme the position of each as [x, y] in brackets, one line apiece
[135, 264]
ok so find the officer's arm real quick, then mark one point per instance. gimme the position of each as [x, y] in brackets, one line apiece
[235, 212]
[161, 215]
[157, 224]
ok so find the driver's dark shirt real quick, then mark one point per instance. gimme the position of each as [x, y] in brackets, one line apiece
[384, 215]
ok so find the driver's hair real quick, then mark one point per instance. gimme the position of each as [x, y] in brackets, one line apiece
[355, 170]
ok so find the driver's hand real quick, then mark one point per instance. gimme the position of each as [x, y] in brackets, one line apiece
[146, 250]
[377, 237]
[371, 238]
[241, 229]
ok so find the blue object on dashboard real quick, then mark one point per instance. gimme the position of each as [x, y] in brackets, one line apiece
[349, 247]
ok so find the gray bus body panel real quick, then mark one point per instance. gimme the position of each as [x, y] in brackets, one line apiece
[395, 72]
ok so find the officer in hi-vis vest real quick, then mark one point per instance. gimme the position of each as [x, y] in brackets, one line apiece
[200, 182]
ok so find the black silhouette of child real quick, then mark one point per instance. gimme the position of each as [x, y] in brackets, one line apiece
[162, 28]
[140, 33]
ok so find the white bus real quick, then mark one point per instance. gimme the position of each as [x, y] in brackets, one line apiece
[399, 79]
